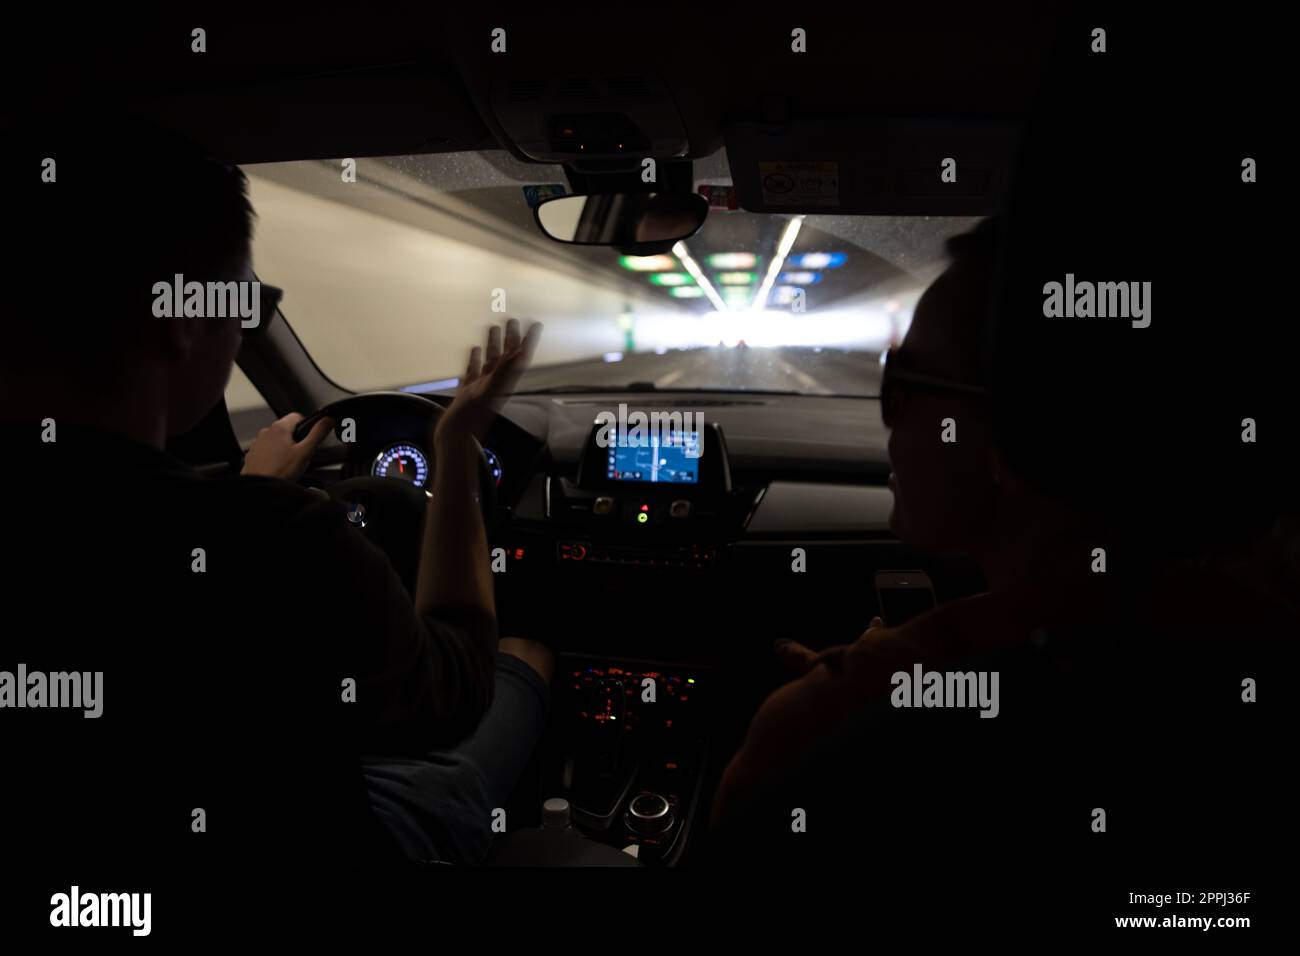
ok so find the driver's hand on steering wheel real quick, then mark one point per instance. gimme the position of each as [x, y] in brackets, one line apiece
[274, 453]
[488, 379]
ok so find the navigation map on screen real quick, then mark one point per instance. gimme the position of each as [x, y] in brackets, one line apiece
[658, 458]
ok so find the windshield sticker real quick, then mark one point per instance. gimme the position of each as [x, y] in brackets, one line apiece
[534, 195]
[800, 184]
[720, 197]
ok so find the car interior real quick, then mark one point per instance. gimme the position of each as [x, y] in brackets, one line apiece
[410, 169]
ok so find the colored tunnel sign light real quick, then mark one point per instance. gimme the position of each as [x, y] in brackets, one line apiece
[642, 518]
[817, 260]
[800, 278]
[669, 278]
[735, 278]
[647, 263]
[731, 260]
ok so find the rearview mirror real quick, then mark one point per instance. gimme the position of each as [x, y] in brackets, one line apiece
[622, 219]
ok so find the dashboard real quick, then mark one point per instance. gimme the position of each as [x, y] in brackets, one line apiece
[708, 507]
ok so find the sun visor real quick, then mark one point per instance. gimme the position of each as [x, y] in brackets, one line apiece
[878, 167]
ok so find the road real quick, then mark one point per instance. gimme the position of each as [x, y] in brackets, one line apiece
[819, 372]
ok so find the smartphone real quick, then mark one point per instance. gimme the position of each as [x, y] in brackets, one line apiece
[903, 595]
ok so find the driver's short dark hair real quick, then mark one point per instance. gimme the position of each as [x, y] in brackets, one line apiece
[130, 205]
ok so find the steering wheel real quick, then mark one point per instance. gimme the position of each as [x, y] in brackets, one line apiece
[389, 511]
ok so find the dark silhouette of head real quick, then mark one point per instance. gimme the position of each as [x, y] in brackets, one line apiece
[106, 208]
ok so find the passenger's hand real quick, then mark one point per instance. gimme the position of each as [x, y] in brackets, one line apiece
[275, 454]
[488, 379]
[799, 659]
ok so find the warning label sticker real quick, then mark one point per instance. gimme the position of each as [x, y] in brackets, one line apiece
[800, 183]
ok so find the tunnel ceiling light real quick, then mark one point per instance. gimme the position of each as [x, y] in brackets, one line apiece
[778, 262]
[731, 260]
[684, 255]
[647, 263]
[687, 292]
[735, 278]
[670, 278]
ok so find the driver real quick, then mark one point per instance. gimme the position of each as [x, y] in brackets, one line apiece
[269, 691]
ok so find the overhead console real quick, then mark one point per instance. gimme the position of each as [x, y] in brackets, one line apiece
[588, 118]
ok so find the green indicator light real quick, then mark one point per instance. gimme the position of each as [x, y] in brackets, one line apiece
[642, 517]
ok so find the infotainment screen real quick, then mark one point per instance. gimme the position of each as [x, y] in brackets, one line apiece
[673, 457]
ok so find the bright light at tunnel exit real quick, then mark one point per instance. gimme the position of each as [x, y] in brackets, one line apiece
[850, 328]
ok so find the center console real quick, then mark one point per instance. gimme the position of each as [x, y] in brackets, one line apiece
[639, 529]
[628, 752]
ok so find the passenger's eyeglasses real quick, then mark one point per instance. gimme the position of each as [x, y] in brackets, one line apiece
[898, 379]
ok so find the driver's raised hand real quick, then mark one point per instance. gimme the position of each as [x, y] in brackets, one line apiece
[489, 378]
[274, 453]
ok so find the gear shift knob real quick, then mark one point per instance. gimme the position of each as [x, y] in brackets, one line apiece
[649, 814]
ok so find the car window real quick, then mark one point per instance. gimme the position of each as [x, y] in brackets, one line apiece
[392, 267]
[248, 409]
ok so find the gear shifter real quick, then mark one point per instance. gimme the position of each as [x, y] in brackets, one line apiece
[649, 815]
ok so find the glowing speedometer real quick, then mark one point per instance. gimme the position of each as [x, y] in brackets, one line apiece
[402, 461]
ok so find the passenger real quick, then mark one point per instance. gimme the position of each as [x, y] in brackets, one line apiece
[1088, 657]
[1106, 478]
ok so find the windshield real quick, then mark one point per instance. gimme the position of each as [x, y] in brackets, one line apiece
[390, 276]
